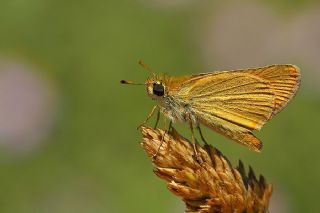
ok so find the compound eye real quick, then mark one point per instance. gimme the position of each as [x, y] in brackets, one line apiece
[158, 89]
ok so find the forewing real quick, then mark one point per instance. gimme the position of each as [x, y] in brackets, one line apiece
[242, 99]
[283, 79]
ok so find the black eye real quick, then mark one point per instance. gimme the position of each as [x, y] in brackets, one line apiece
[158, 89]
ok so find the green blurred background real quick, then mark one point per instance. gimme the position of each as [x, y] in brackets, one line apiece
[68, 138]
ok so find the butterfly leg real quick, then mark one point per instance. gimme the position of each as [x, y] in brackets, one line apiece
[158, 117]
[193, 140]
[149, 116]
[202, 138]
[162, 139]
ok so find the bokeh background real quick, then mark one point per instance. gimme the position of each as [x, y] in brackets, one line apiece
[68, 138]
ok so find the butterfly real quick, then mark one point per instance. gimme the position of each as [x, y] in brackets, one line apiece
[232, 103]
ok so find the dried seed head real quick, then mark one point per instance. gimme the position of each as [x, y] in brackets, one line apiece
[207, 184]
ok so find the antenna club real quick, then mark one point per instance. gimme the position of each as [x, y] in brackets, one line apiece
[141, 62]
[129, 82]
[145, 66]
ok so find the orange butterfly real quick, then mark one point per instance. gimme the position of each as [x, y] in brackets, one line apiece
[232, 103]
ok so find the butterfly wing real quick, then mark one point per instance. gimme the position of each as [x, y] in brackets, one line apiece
[284, 81]
[234, 103]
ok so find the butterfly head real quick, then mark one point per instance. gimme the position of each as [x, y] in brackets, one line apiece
[156, 88]
[155, 84]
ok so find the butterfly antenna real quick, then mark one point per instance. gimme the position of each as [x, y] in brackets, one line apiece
[145, 66]
[129, 82]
